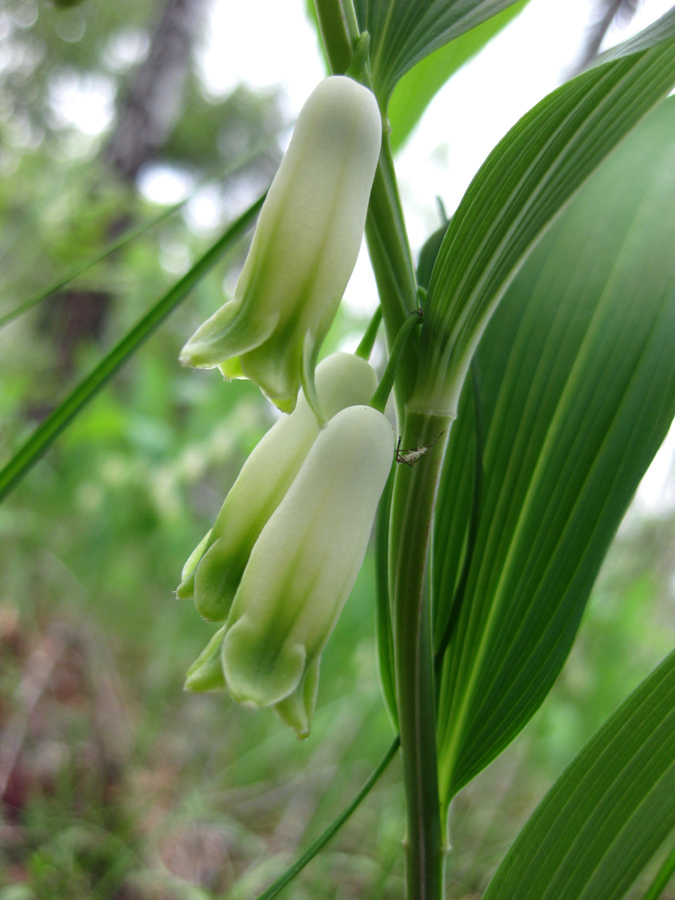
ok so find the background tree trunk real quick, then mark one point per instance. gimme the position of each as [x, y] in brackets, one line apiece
[607, 12]
[149, 107]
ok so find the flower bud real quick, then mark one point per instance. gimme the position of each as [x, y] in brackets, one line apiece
[303, 566]
[304, 249]
[214, 569]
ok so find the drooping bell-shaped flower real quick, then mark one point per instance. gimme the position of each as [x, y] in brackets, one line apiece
[213, 571]
[304, 249]
[303, 567]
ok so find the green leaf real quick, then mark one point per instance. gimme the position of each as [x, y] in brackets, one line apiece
[428, 255]
[416, 89]
[80, 270]
[403, 32]
[49, 430]
[576, 392]
[518, 191]
[608, 813]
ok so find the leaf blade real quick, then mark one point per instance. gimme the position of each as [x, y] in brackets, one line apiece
[126, 238]
[415, 90]
[42, 438]
[577, 391]
[610, 810]
[403, 33]
[521, 187]
[112, 248]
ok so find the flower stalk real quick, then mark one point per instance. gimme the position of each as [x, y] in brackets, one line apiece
[413, 504]
[367, 343]
[381, 395]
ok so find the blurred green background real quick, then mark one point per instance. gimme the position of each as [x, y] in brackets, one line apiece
[114, 783]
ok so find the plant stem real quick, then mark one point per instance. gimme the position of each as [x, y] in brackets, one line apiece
[392, 265]
[415, 490]
[334, 35]
[332, 829]
[381, 395]
[413, 504]
[386, 233]
[367, 343]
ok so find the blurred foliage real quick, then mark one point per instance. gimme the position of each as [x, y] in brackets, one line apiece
[60, 205]
[114, 783]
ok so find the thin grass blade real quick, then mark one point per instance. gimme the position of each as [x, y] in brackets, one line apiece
[53, 425]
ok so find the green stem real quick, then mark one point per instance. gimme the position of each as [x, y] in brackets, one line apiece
[415, 490]
[386, 234]
[334, 35]
[334, 827]
[351, 22]
[392, 264]
[365, 348]
[381, 395]
[414, 497]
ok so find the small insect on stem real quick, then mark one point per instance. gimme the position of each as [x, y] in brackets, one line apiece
[410, 457]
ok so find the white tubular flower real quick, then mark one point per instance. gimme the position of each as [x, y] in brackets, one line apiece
[303, 566]
[304, 249]
[213, 571]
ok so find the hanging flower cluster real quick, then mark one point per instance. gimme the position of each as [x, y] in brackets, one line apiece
[300, 572]
[288, 543]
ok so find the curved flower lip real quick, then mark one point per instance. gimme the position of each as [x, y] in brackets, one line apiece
[303, 567]
[213, 571]
[185, 589]
[206, 672]
[304, 248]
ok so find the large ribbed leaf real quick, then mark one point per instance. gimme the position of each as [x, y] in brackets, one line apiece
[608, 813]
[404, 32]
[416, 89]
[576, 387]
[518, 191]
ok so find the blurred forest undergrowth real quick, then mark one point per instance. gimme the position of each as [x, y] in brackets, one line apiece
[113, 782]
